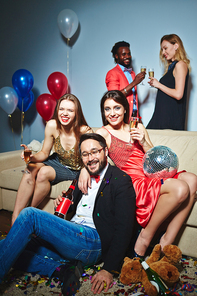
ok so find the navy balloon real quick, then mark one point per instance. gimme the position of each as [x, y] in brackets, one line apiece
[22, 81]
[25, 104]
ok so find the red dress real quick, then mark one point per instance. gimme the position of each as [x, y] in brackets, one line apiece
[128, 157]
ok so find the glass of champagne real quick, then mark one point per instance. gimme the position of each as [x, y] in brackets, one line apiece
[132, 124]
[143, 69]
[27, 153]
[151, 73]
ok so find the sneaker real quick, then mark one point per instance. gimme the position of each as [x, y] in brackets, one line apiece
[69, 275]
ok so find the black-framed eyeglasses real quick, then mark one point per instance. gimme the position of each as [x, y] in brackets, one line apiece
[94, 152]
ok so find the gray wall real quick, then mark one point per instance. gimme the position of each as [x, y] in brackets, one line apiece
[30, 39]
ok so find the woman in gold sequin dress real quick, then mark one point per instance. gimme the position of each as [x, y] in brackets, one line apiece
[62, 133]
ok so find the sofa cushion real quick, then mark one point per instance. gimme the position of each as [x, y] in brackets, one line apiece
[183, 143]
[187, 240]
[11, 178]
[191, 220]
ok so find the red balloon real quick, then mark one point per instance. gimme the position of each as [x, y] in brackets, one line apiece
[45, 105]
[57, 84]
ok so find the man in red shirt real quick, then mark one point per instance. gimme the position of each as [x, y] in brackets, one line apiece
[123, 78]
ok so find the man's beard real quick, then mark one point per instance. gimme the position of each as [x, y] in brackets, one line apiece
[127, 66]
[102, 165]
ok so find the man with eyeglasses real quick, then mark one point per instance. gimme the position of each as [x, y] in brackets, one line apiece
[102, 227]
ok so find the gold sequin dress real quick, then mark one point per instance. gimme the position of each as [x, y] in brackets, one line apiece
[66, 163]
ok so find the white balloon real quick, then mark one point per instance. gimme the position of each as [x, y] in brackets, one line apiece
[8, 99]
[67, 22]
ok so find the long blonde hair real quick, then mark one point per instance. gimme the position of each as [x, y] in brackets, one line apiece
[180, 55]
[79, 117]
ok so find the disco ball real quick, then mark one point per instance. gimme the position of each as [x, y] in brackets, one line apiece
[160, 162]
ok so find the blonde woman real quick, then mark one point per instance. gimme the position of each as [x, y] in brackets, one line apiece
[63, 132]
[171, 100]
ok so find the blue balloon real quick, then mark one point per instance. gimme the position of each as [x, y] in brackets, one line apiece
[22, 81]
[25, 104]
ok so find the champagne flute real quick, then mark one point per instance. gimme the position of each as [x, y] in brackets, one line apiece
[27, 153]
[132, 124]
[143, 69]
[151, 73]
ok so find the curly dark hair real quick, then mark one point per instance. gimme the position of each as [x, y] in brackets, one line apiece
[117, 45]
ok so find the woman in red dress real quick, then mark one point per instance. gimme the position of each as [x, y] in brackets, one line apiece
[156, 199]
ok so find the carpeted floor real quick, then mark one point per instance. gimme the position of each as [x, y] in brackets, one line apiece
[19, 283]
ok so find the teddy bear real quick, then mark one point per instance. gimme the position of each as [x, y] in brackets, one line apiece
[133, 272]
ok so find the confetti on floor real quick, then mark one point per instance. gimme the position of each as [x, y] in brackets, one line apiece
[19, 283]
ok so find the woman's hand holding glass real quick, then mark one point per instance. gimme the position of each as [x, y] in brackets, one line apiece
[154, 82]
[151, 73]
[138, 134]
[26, 156]
[132, 124]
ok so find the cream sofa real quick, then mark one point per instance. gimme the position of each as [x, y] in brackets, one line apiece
[183, 143]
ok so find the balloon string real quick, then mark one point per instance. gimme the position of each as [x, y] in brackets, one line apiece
[68, 57]
[12, 129]
[22, 120]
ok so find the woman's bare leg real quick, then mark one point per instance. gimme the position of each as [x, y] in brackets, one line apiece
[26, 189]
[45, 175]
[181, 214]
[173, 193]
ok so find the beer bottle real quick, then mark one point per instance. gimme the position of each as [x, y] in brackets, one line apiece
[64, 205]
[155, 280]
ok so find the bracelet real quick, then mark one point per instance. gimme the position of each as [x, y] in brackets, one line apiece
[125, 91]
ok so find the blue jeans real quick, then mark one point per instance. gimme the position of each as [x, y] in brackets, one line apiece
[39, 242]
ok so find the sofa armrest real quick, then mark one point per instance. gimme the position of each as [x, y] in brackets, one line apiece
[10, 160]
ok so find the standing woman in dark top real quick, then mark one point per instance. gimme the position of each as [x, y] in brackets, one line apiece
[170, 107]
